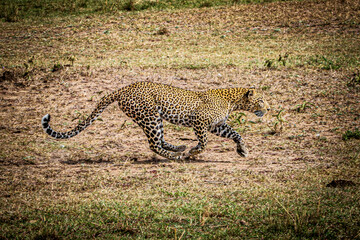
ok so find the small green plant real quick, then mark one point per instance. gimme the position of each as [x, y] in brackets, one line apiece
[57, 67]
[71, 59]
[239, 118]
[274, 63]
[269, 63]
[305, 105]
[123, 125]
[78, 116]
[278, 125]
[323, 63]
[29, 67]
[329, 64]
[283, 59]
[265, 88]
[351, 134]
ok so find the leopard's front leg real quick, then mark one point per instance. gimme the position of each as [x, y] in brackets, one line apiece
[224, 130]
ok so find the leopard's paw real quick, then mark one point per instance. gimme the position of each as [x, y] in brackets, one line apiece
[242, 150]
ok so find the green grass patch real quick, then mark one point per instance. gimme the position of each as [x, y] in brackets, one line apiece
[351, 134]
[15, 10]
[252, 210]
[324, 63]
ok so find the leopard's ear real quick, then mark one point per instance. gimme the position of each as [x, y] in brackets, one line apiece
[250, 92]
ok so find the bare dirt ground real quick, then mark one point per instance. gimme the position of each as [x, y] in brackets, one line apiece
[308, 138]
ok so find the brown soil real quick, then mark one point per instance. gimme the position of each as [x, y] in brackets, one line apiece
[308, 139]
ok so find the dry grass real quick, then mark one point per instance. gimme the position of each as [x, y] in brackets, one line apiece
[106, 183]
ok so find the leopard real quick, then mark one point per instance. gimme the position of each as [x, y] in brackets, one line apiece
[148, 104]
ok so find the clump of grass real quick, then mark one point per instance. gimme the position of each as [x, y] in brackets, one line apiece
[274, 63]
[238, 121]
[283, 59]
[21, 76]
[129, 5]
[324, 63]
[351, 134]
[278, 125]
[72, 59]
[57, 67]
[354, 80]
[239, 118]
[10, 13]
[269, 63]
[206, 4]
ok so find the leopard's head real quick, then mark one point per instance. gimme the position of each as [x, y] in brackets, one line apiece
[255, 102]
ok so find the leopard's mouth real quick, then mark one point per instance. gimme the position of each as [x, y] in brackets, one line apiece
[259, 113]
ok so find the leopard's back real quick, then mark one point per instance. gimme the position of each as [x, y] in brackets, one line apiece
[175, 105]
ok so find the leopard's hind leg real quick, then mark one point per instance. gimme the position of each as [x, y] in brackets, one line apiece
[168, 146]
[173, 148]
[153, 129]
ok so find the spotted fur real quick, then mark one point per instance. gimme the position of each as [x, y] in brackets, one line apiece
[148, 104]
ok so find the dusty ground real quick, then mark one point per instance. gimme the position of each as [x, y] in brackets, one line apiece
[308, 138]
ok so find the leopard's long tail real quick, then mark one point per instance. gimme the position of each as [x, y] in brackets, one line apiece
[100, 107]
